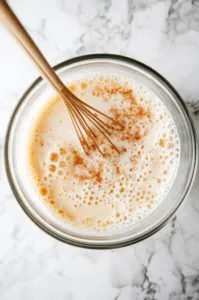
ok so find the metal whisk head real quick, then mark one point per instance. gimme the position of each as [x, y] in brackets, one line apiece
[83, 116]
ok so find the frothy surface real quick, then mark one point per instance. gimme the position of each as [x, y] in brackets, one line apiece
[104, 193]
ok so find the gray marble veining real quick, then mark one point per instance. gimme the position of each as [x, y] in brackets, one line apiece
[162, 34]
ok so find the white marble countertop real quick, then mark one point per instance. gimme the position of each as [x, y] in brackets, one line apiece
[162, 34]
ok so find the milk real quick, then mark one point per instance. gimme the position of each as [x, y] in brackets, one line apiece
[105, 193]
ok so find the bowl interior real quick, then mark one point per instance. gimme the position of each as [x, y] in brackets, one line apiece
[16, 154]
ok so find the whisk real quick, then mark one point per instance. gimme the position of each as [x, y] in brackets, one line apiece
[86, 119]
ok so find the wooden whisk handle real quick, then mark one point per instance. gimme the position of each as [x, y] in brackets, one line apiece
[14, 25]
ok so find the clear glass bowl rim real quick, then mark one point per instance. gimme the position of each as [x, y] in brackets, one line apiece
[81, 59]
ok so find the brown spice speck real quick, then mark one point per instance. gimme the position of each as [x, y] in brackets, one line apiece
[161, 142]
[43, 191]
[83, 85]
[62, 151]
[52, 168]
[78, 160]
[99, 177]
[54, 157]
[117, 170]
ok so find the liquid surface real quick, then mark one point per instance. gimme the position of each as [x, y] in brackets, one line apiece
[105, 193]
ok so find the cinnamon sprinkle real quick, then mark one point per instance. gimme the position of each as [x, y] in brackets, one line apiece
[130, 117]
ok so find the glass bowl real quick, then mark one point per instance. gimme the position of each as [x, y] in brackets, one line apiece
[17, 134]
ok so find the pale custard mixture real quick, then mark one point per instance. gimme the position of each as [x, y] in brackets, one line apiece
[105, 193]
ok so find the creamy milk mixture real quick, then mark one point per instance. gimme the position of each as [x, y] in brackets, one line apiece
[105, 193]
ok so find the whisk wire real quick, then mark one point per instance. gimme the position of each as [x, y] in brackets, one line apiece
[71, 95]
[85, 126]
[93, 119]
[78, 112]
[79, 132]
